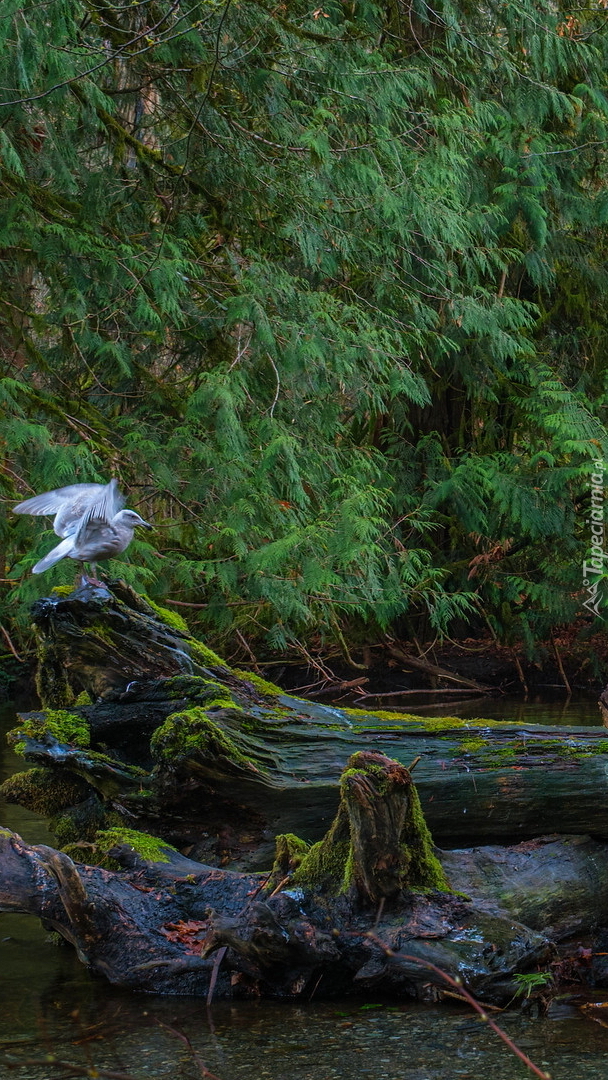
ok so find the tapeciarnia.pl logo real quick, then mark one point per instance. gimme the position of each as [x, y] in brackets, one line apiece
[595, 567]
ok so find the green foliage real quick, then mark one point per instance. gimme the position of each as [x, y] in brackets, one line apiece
[531, 981]
[325, 293]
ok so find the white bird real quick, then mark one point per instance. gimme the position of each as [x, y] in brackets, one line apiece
[90, 520]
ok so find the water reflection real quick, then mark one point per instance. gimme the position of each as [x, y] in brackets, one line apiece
[164, 1038]
[581, 711]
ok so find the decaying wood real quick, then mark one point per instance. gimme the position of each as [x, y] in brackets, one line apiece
[218, 762]
[326, 929]
[179, 746]
[98, 641]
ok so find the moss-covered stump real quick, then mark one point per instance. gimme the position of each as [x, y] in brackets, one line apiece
[98, 639]
[379, 843]
[367, 921]
[218, 762]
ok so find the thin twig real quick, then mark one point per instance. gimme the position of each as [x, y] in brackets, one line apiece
[219, 956]
[284, 881]
[278, 389]
[561, 666]
[10, 645]
[457, 985]
[248, 650]
[422, 690]
[228, 603]
[205, 1072]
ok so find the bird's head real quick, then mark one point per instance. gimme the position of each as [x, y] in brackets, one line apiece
[131, 519]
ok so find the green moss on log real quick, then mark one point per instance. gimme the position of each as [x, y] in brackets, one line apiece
[52, 682]
[430, 724]
[44, 791]
[96, 851]
[205, 656]
[267, 688]
[79, 823]
[193, 733]
[289, 852]
[148, 847]
[470, 746]
[171, 618]
[425, 871]
[327, 866]
[64, 726]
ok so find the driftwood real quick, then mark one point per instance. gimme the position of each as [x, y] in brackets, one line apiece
[326, 926]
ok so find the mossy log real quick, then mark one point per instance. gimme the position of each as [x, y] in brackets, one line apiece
[346, 916]
[218, 762]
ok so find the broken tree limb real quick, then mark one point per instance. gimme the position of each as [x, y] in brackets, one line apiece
[223, 768]
[416, 663]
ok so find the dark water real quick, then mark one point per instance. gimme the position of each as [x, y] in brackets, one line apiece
[579, 711]
[51, 1005]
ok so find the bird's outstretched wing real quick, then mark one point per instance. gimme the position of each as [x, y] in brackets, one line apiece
[73, 503]
[52, 501]
[101, 509]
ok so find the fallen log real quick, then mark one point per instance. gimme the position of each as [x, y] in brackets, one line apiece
[417, 663]
[218, 761]
[365, 908]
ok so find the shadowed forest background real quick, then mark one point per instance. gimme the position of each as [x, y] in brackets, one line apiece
[326, 289]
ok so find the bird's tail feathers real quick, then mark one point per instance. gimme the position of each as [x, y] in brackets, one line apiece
[54, 556]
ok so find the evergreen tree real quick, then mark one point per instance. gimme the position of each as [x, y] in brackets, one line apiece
[324, 290]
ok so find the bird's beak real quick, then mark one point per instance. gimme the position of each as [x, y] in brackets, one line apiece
[146, 524]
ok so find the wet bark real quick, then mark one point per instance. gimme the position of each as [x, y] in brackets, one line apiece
[180, 747]
[346, 917]
[217, 762]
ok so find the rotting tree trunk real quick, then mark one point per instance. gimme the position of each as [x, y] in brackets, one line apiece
[176, 926]
[217, 762]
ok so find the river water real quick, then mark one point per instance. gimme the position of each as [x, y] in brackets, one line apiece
[51, 1007]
